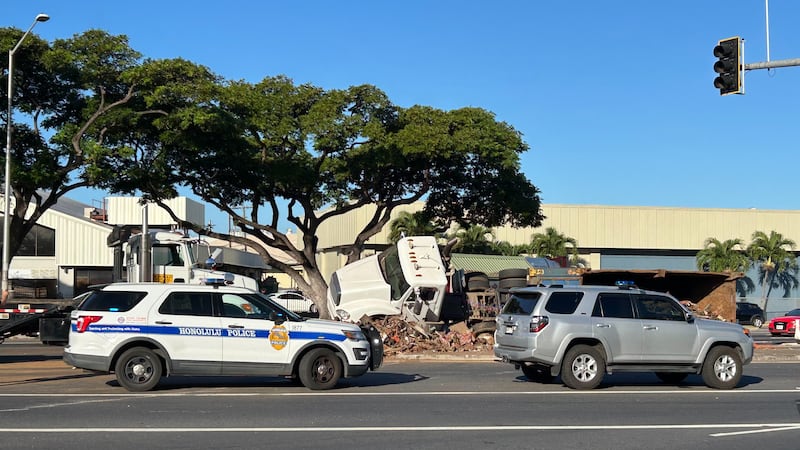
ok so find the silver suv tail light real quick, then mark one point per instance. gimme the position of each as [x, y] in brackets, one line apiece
[538, 322]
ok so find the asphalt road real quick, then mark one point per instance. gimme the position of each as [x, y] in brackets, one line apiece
[406, 404]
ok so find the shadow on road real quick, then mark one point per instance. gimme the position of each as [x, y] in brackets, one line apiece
[368, 380]
[647, 379]
[8, 359]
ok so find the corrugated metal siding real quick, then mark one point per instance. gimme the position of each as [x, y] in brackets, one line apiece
[79, 241]
[127, 210]
[491, 265]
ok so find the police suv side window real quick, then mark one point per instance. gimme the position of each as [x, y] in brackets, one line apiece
[613, 304]
[563, 302]
[187, 304]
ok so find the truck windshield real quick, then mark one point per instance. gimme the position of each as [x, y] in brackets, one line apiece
[193, 250]
[389, 261]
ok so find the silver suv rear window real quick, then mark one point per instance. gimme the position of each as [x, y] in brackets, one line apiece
[563, 302]
[521, 303]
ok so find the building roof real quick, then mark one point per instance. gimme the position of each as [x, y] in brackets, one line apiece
[491, 265]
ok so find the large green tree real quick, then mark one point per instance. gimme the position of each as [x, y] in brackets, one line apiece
[65, 93]
[306, 155]
[773, 253]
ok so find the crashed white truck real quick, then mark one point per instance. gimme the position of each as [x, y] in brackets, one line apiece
[409, 279]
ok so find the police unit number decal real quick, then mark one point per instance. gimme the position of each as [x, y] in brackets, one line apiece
[278, 337]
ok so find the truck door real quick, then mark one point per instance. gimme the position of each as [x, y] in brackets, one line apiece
[169, 264]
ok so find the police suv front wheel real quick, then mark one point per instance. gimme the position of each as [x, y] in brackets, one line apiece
[138, 369]
[320, 369]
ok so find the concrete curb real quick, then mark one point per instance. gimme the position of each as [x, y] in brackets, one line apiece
[788, 352]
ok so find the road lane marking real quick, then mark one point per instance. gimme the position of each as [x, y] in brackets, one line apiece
[768, 430]
[404, 428]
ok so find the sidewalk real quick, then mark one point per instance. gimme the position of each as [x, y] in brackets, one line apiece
[787, 352]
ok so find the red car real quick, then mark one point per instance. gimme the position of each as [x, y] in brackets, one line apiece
[784, 326]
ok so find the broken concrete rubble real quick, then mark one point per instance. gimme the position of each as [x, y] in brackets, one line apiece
[400, 336]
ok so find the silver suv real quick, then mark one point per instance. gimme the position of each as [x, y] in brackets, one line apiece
[583, 332]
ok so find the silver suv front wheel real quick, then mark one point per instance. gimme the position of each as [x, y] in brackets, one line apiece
[722, 368]
[583, 367]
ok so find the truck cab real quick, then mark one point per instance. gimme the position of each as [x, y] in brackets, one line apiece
[177, 258]
[407, 279]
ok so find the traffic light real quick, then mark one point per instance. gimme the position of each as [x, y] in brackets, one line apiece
[729, 66]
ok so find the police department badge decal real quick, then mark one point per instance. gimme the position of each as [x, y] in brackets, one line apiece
[278, 337]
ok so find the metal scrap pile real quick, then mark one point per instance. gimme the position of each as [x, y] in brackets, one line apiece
[400, 336]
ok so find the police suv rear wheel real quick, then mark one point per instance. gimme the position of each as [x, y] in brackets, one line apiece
[138, 369]
[320, 369]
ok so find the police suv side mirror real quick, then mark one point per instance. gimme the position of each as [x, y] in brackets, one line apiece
[277, 317]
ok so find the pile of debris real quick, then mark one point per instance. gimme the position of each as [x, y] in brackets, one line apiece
[400, 336]
[707, 312]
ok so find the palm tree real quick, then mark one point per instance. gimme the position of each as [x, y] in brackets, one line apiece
[726, 256]
[476, 239]
[410, 224]
[552, 244]
[777, 263]
[505, 248]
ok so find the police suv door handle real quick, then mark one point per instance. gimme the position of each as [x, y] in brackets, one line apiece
[163, 322]
[603, 325]
[235, 326]
[650, 327]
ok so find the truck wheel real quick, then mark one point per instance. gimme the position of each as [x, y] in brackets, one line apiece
[537, 372]
[583, 367]
[320, 369]
[508, 283]
[512, 273]
[722, 368]
[477, 281]
[138, 369]
[671, 377]
[757, 321]
[484, 332]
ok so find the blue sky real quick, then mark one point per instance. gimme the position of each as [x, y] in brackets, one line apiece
[615, 98]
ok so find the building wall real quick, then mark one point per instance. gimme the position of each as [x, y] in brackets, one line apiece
[127, 210]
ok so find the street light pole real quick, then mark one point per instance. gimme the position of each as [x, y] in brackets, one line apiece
[7, 183]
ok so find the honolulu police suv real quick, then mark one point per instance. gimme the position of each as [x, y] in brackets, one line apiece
[143, 331]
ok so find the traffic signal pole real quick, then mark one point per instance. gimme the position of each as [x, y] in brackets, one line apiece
[773, 64]
[730, 66]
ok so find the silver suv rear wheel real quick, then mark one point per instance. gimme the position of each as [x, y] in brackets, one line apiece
[583, 367]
